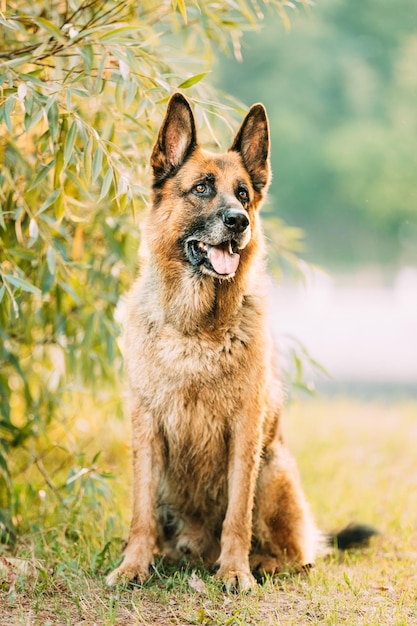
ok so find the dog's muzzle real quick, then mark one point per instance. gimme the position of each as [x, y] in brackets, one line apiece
[220, 255]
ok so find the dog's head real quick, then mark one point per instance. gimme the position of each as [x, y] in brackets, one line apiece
[205, 205]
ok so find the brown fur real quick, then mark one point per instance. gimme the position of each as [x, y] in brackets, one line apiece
[212, 477]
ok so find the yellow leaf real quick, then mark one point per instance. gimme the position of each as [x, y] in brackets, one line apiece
[183, 10]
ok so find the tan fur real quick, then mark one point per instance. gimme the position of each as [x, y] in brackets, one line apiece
[212, 477]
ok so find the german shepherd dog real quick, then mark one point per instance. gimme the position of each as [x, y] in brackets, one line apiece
[213, 479]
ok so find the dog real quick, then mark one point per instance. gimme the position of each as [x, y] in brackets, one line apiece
[212, 477]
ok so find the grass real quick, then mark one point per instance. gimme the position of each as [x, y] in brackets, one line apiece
[358, 462]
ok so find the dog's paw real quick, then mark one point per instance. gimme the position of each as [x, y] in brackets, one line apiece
[126, 573]
[236, 579]
[266, 564]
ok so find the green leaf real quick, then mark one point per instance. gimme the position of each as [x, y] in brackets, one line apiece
[41, 174]
[70, 291]
[193, 80]
[69, 143]
[98, 83]
[59, 207]
[106, 183]
[131, 93]
[49, 201]
[19, 60]
[119, 34]
[3, 465]
[97, 162]
[50, 259]
[33, 78]
[118, 96]
[32, 119]
[59, 165]
[89, 330]
[87, 158]
[2, 290]
[47, 280]
[87, 54]
[23, 254]
[23, 284]
[53, 118]
[50, 27]
[7, 111]
[9, 23]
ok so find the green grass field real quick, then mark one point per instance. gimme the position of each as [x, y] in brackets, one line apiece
[358, 462]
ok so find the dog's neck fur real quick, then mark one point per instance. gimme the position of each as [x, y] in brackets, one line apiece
[220, 302]
[203, 300]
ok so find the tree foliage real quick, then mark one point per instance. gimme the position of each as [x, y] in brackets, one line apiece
[82, 88]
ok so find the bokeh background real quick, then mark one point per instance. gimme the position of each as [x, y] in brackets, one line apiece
[340, 86]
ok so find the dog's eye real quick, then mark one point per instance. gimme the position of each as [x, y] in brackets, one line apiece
[200, 189]
[243, 195]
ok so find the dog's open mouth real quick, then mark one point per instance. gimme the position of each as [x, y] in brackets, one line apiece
[223, 259]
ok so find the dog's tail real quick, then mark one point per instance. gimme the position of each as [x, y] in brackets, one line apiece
[353, 536]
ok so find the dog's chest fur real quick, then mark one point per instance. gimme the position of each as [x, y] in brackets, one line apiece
[192, 388]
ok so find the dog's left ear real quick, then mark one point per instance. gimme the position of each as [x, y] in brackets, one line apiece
[252, 142]
[176, 139]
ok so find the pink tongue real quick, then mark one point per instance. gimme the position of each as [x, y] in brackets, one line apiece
[222, 261]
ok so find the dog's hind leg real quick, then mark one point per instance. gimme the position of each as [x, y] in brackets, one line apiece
[285, 535]
[143, 538]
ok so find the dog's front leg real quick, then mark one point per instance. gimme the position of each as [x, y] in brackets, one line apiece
[147, 460]
[244, 458]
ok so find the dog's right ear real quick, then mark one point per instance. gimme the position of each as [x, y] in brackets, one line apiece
[176, 140]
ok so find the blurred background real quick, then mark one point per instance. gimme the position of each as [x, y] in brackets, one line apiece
[340, 86]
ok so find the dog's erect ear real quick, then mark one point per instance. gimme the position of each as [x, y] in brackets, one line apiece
[176, 139]
[252, 142]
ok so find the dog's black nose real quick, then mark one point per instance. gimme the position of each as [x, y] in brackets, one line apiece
[236, 219]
